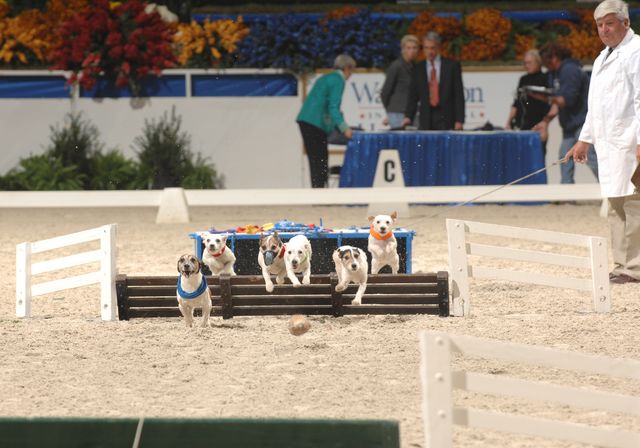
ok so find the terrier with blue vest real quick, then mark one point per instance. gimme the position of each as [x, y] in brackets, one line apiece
[192, 290]
[383, 246]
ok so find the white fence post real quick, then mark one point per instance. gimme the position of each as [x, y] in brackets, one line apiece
[458, 266]
[438, 382]
[460, 269]
[437, 409]
[600, 274]
[105, 276]
[23, 280]
[108, 304]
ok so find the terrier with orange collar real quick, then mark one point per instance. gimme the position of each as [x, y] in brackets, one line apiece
[382, 244]
[217, 255]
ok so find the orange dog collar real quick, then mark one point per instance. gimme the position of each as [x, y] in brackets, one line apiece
[377, 236]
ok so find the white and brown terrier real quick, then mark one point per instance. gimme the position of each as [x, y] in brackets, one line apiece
[351, 267]
[382, 244]
[271, 259]
[217, 255]
[192, 291]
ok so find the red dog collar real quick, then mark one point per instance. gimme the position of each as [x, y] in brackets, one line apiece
[377, 236]
[281, 254]
[219, 253]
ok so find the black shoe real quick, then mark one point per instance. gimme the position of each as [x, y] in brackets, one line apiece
[623, 278]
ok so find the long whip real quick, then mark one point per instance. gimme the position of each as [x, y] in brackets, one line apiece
[460, 204]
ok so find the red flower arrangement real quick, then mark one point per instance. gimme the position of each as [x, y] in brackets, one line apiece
[122, 43]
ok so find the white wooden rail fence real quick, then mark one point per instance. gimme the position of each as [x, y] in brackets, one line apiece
[106, 255]
[438, 380]
[460, 270]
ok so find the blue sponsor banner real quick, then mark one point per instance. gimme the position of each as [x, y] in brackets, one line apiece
[244, 85]
[152, 86]
[33, 86]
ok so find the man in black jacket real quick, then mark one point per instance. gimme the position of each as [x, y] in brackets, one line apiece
[436, 85]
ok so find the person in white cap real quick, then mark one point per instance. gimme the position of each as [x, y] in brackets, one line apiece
[613, 126]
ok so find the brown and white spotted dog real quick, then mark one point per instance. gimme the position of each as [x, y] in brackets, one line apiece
[351, 267]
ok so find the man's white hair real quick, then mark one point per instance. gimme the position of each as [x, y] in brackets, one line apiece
[617, 7]
[343, 61]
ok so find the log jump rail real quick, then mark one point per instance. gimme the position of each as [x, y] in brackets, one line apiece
[245, 295]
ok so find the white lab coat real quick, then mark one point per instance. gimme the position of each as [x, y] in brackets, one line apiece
[613, 118]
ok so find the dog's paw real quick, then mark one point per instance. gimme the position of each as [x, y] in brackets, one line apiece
[297, 284]
[269, 287]
[357, 301]
[306, 281]
[280, 280]
[340, 287]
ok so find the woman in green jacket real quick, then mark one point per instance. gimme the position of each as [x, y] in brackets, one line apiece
[320, 114]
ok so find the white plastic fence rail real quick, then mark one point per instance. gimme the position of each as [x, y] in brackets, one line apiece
[438, 381]
[106, 255]
[459, 249]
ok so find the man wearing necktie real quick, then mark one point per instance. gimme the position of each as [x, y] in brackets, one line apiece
[436, 90]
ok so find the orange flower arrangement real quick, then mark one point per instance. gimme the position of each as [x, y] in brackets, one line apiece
[339, 13]
[22, 38]
[524, 43]
[4, 9]
[206, 45]
[491, 30]
[583, 40]
[447, 27]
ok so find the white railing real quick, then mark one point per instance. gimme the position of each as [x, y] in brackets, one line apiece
[438, 381]
[105, 276]
[459, 249]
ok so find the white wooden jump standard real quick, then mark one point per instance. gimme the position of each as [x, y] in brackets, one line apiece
[460, 269]
[438, 380]
[106, 255]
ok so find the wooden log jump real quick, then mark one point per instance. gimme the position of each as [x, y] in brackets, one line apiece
[245, 295]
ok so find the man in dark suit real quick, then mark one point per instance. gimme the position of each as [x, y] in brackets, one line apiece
[436, 84]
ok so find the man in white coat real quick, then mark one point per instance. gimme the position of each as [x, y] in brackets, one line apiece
[613, 126]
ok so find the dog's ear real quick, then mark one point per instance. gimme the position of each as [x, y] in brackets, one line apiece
[394, 215]
[179, 260]
[223, 238]
[370, 218]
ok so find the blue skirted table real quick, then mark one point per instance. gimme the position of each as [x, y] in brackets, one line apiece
[447, 158]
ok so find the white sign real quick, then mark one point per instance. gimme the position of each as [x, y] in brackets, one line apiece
[488, 98]
[389, 174]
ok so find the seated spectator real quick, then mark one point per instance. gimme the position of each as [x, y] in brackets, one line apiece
[527, 111]
[395, 89]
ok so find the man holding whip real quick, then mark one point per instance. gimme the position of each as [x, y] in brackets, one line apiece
[612, 125]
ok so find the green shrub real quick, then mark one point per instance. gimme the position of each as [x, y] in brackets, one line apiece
[166, 158]
[43, 172]
[113, 171]
[75, 143]
[202, 175]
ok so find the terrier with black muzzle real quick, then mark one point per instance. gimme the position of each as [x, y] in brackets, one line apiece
[351, 267]
[271, 259]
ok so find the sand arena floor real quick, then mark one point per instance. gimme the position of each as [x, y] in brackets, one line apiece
[66, 362]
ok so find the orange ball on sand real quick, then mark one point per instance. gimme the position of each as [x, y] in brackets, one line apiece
[298, 325]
